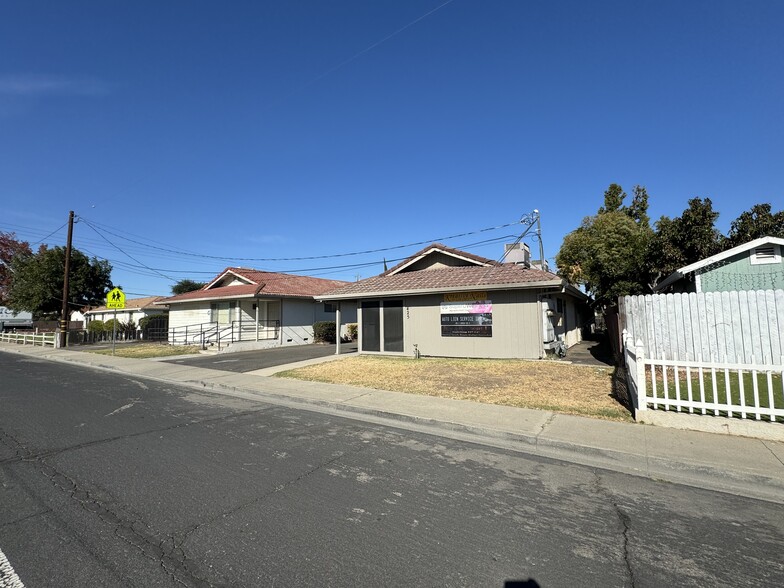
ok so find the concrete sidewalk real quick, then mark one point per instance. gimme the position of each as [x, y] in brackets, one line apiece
[737, 465]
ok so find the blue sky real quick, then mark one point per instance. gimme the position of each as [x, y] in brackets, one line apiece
[193, 135]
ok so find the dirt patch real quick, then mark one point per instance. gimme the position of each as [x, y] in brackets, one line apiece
[545, 385]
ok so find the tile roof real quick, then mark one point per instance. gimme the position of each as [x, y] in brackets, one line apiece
[132, 304]
[263, 284]
[449, 278]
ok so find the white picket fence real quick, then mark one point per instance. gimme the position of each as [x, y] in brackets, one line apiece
[732, 389]
[730, 327]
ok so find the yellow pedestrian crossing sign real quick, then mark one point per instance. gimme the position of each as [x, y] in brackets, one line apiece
[115, 299]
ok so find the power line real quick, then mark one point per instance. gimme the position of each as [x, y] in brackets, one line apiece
[125, 253]
[304, 258]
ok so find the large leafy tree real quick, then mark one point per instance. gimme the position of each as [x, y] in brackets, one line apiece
[606, 254]
[37, 284]
[683, 240]
[186, 285]
[758, 221]
[10, 248]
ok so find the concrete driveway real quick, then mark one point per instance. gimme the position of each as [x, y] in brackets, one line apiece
[248, 361]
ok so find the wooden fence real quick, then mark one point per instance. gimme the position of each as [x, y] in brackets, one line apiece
[729, 327]
[31, 338]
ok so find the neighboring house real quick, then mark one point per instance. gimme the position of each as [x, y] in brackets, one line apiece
[78, 320]
[450, 303]
[135, 310]
[252, 309]
[10, 320]
[756, 265]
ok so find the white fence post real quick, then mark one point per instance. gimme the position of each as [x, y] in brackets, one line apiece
[642, 403]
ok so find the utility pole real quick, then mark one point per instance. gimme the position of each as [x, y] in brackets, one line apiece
[64, 313]
[539, 234]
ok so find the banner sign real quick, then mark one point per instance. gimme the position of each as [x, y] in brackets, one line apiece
[467, 318]
[464, 296]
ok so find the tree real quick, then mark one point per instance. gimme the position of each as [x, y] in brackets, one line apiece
[606, 253]
[683, 240]
[754, 223]
[638, 209]
[186, 285]
[37, 284]
[10, 248]
[613, 199]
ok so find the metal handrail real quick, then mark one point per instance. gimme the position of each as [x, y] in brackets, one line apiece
[214, 333]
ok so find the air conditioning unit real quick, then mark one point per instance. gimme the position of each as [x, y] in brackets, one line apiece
[517, 253]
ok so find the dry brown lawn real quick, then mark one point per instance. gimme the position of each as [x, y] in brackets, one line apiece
[548, 385]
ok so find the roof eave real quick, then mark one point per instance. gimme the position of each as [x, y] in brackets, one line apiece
[668, 281]
[726, 255]
[260, 295]
[576, 292]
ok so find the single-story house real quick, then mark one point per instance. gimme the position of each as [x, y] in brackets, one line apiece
[756, 265]
[135, 310]
[252, 309]
[450, 303]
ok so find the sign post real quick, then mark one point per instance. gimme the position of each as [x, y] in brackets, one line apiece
[115, 299]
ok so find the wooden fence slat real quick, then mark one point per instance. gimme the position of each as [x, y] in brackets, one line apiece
[727, 337]
[778, 295]
[736, 348]
[713, 325]
[756, 340]
[765, 315]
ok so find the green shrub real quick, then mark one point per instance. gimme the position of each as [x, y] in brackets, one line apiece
[353, 331]
[95, 326]
[324, 332]
[108, 326]
[126, 327]
[159, 321]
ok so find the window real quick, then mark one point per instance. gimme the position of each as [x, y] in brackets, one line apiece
[222, 312]
[329, 308]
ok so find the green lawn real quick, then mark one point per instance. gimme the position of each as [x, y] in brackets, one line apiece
[147, 350]
[716, 389]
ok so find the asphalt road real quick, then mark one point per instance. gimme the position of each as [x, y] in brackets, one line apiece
[247, 361]
[107, 480]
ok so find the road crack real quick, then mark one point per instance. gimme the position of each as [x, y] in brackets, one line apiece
[174, 545]
[25, 518]
[773, 453]
[625, 521]
[546, 424]
[128, 526]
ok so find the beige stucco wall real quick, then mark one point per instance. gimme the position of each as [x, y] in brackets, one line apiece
[517, 328]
